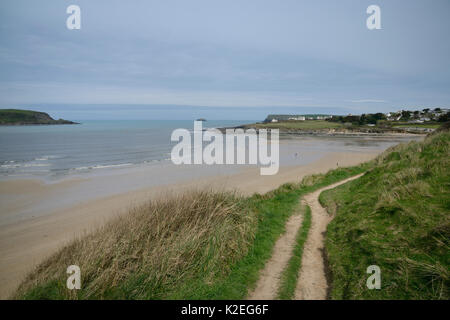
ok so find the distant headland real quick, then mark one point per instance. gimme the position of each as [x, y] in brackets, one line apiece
[28, 117]
[399, 122]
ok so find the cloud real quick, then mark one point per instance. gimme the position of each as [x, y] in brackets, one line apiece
[225, 53]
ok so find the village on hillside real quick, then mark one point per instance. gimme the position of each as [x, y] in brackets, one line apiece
[426, 115]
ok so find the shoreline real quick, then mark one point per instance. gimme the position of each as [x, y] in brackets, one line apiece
[24, 244]
[28, 237]
[285, 137]
[339, 131]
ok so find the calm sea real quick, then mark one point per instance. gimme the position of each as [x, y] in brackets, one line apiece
[57, 150]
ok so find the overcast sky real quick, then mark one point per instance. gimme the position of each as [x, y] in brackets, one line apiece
[252, 53]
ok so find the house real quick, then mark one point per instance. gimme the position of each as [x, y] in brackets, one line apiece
[295, 117]
[301, 118]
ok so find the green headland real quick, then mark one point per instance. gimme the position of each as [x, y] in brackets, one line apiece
[28, 117]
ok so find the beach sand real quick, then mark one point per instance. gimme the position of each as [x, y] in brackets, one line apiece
[27, 242]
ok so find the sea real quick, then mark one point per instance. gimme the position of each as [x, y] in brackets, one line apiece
[94, 147]
[55, 151]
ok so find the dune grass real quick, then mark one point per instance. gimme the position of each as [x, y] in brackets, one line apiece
[201, 245]
[396, 216]
[151, 251]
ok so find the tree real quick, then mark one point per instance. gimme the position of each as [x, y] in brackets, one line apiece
[362, 119]
[406, 114]
[444, 117]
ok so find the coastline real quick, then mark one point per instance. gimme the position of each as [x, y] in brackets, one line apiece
[38, 124]
[24, 244]
[27, 238]
[335, 131]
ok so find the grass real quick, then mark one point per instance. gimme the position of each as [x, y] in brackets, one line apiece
[16, 116]
[417, 125]
[201, 245]
[273, 211]
[271, 224]
[403, 124]
[396, 216]
[151, 252]
[289, 277]
[322, 124]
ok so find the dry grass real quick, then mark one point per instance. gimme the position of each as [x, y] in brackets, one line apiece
[152, 251]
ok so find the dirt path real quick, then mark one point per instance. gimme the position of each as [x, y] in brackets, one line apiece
[269, 278]
[312, 279]
[312, 283]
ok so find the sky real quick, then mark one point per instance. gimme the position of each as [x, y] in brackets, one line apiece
[229, 56]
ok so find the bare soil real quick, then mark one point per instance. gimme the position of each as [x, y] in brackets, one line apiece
[312, 283]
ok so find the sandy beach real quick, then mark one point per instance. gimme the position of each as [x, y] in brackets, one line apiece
[33, 226]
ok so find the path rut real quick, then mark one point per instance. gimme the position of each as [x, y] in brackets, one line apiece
[312, 281]
[269, 278]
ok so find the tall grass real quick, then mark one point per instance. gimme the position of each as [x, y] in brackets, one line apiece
[152, 251]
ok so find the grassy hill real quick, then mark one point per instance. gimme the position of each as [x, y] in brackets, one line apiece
[396, 216]
[24, 117]
[324, 126]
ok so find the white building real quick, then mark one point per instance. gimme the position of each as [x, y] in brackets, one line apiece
[300, 118]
